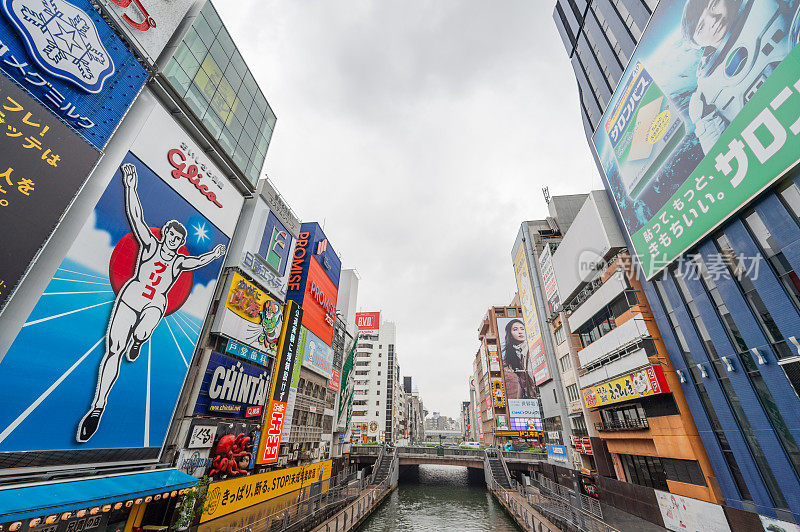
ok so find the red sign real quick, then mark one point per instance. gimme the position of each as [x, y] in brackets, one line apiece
[272, 443]
[587, 446]
[368, 321]
[319, 302]
[578, 443]
[253, 411]
[336, 378]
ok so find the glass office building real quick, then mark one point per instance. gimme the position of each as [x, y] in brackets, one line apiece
[208, 72]
[731, 332]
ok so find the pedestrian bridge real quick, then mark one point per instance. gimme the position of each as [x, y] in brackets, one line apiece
[420, 455]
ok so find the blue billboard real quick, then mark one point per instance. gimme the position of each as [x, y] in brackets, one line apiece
[101, 359]
[275, 244]
[232, 387]
[65, 55]
[320, 248]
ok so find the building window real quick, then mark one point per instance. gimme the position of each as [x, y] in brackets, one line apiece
[560, 336]
[572, 393]
[687, 471]
[566, 362]
[512, 313]
[644, 470]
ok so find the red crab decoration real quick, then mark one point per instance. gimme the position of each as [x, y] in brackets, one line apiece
[230, 454]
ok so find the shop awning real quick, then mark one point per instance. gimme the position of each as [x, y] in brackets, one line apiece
[40, 500]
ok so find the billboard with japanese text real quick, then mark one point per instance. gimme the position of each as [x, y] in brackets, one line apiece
[319, 302]
[281, 384]
[317, 355]
[704, 118]
[250, 315]
[101, 360]
[517, 370]
[537, 366]
[641, 383]
[65, 55]
[45, 163]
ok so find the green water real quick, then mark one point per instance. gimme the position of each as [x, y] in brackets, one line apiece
[439, 498]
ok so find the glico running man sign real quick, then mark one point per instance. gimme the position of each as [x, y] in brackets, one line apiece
[101, 360]
[705, 117]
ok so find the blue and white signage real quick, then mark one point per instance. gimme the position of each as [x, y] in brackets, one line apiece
[317, 355]
[557, 452]
[65, 55]
[232, 387]
[246, 352]
[275, 244]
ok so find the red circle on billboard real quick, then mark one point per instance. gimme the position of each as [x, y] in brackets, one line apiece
[122, 266]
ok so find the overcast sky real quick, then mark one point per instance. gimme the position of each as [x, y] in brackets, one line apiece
[420, 134]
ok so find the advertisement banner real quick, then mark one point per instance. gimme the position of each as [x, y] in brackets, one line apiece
[292, 398]
[232, 387]
[66, 56]
[549, 277]
[319, 303]
[275, 245]
[250, 316]
[502, 422]
[524, 408]
[537, 365]
[368, 321]
[497, 392]
[775, 525]
[281, 382]
[526, 424]
[494, 357]
[641, 383]
[194, 462]
[517, 371]
[246, 352]
[202, 436]
[335, 381]
[147, 24]
[228, 496]
[45, 164]
[101, 360]
[556, 452]
[704, 118]
[684, 513]
[317, 355]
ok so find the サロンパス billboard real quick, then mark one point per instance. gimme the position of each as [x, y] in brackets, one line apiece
[148, 25]
[317, 355]
[704, 118]
[538, 364]
[368, 321]
[45, 164]
[100, 361]
[250, 316]
[68, 58]
[640, 383]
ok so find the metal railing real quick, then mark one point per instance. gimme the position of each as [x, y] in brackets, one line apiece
[623, 424]
[564, 513]
[519, 456]
[550, 488]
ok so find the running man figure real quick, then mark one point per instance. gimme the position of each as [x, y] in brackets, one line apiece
[142, 301]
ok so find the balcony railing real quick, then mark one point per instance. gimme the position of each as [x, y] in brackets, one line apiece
[627, 424]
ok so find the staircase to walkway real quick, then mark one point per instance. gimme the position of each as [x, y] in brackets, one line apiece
[383, 466]
[498, 470]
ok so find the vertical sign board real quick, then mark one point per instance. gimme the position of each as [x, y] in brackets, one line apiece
[148, 24]
[290, 402]
[540, 373]
[702, 121]
[65, 55]
[549, 278]
[281, 381]
[517, 372]
[100, 361]
[44, 165]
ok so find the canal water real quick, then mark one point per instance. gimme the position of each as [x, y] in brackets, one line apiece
[439, 498]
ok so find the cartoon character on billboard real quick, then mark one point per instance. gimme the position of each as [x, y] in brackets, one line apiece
[741, 42]
[142, 301]
[271, 321]
[515, 357]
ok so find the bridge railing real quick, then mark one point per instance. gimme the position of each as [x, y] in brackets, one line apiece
[524, 457]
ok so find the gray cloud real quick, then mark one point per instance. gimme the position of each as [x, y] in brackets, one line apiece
[422, 134]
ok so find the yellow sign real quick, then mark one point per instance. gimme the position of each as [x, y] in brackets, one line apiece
[497, 393]
[245, 299]
[236, 494]
[640, 383]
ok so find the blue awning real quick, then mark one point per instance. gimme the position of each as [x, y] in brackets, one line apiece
[38, 500]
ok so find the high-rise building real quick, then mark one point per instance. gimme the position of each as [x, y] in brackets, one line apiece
[374, 417]
[723, 290]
